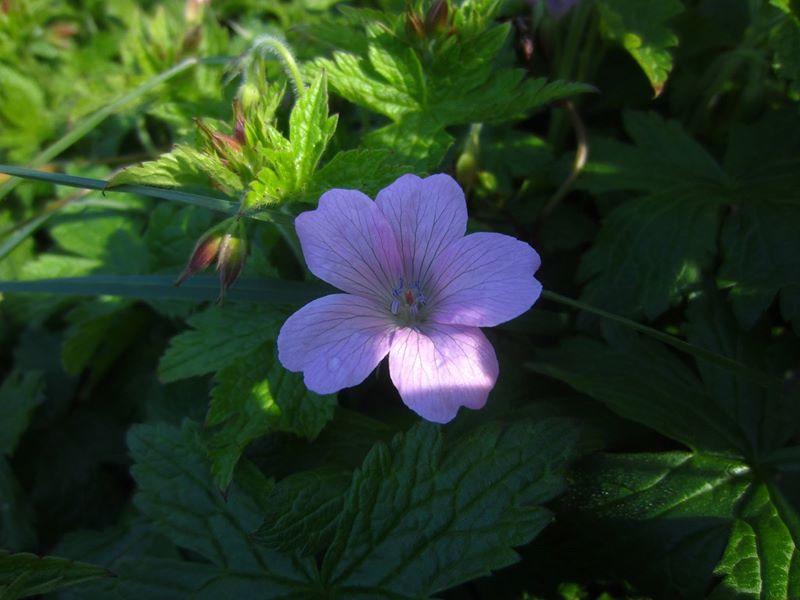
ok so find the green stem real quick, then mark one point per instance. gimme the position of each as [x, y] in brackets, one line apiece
[93, 120]
[677, 343]
[281, 50]
[269, 215]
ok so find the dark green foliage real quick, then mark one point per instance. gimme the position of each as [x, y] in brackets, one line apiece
[153, 446]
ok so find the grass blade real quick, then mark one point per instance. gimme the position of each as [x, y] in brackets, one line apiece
[161, 287]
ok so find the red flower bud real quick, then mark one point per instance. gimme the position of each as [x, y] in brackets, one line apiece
[437, 19]
[204, 253]
[239, 127]
[224, 145]
[414, 25]
[232, 255]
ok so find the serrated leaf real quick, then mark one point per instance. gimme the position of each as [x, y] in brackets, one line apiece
[20, 394]
[652, 248]
[219, 336]
[181, 167]
[663, 157]
[176, 492]
[762, 559]
[643, 33]
[679, 519]
[476, 501]
[365, 170]
[354, 79]
[310, 130]
[23, 575]
[303, 511]
[255, 395]
[659, 520]
[416, 140]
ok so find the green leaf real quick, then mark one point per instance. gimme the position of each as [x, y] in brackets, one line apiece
[649, 252]
[663, 157]
[356, 80]
[23, 575]
[761, 259]
[303, 511]
[255, 395]
[785, 41]
[310, 130]
[654, 247]
[762, 559]
[644, 382]
[660, 521]
[643, 33]
[17, 530]
[218, 336]
[175, 491]
[366, 170]
[20, 394]
[110, 236]
[767, 416]
[415, 140]
[477, 501]
[670, 522]
[176, 168]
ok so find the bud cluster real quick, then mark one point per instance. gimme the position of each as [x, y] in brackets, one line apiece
[224, 243]
[436, 21]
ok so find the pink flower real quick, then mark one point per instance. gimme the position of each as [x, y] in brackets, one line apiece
[416, 288]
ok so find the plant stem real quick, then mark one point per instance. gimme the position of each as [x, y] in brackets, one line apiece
[281, 50]
[677, 343]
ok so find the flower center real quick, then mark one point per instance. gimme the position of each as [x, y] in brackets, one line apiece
[407, 300]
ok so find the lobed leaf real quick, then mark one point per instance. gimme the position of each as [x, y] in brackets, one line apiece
[23, 575]
[417, 520]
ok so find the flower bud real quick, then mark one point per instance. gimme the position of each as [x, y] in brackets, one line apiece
[193, 10]
[192, 39]
[239, 127]
[204, 253]
[232, 255]
[249, 96]
[437, 18]
[414, 25]
[224, 145]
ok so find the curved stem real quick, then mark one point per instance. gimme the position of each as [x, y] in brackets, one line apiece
[581, 156]
[677, 343]
[281, 50]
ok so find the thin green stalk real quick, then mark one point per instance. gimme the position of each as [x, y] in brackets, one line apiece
[93, 120]
[209, 202]
[281, 50]
[677, 343]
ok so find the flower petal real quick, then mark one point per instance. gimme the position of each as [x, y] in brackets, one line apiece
[482, 280]
[336, 341]
[348, 243]
[439, 368]
[426, 216]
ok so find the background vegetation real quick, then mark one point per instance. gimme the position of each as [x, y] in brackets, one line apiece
[643, 440]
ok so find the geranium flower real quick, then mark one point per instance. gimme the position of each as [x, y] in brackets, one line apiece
[416, 288]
